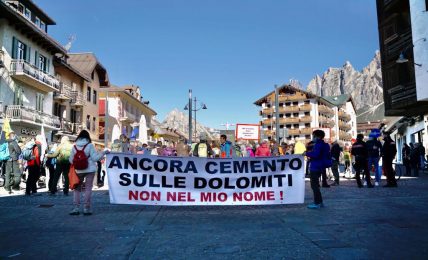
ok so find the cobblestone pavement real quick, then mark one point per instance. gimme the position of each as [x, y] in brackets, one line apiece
[379, 223]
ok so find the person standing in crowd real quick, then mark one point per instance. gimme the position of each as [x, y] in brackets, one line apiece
[274, 148]
[389, 150]
[373, 150]
[250, 151]
[360, 152]
[86, 176]
[335, 156]
[422, 156]
[299, 147]
[414, 159]
[406, 158]
[225, 147]
[347, 159]
[159, 148]
[216, 150]
[62, 154]
[263, 149]
[182, 148]
[319, 161]
[202, 149]
[34, 166]
[284, 148]
[13, 172]
[50, 163]
[169, 150]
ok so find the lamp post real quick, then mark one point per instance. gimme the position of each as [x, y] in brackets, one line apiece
[194, 109]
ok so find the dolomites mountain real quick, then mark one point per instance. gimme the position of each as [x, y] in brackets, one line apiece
[180, 121]
[365, 87]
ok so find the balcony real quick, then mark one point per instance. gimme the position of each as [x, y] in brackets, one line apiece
[306, 131]
[63, 93]
[267, 121]
[77, 99]
[345, 136]
[32, 117]
[127, 117]
[344, 126]
[289, 109]
[344, 116]
[267, 110]
[289, 120]
[324, 121]
[69, 127]
[325, 110]
[295, 97]
[293, 131]
[306, 119]
[29, 74]
[306, 108]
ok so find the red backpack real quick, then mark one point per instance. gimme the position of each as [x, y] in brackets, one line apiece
[80, 160]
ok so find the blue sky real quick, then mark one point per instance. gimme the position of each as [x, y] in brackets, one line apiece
[229, 52]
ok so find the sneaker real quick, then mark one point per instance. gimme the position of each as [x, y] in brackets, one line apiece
[75, 211]
[314, 206]
[376, 184]
[87, 212]
[365, 183]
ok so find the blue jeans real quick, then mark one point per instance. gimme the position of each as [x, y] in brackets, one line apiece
[375, 161]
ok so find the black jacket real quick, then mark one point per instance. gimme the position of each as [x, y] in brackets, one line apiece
[335, 151]
[373, 148]
[389, 150]
[359, 150]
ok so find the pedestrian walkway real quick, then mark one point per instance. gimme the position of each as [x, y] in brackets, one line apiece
[379, 223]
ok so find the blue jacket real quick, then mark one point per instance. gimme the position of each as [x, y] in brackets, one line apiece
[226, 148]
[319, 156]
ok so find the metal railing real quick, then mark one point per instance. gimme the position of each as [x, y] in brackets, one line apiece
[20, 67]
[71, 127]
[77, 98]
[32, 115]
[344, 115]
[64, 91]
[306, 107]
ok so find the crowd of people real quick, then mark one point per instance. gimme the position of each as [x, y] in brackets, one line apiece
[321, 158]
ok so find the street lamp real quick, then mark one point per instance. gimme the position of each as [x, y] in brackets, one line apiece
[402, 58]
[193, 108]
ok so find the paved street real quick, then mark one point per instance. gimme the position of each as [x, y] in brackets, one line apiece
[380, 223]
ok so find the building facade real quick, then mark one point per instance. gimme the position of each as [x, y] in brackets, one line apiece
[69, 99]
[404, 54]
[27, 74]
[301, 112]
[87, 98]
[126, 112]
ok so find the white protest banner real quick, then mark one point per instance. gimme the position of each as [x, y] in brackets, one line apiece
[247, 131]
[158, 180]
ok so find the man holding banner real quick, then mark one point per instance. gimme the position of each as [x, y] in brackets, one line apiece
[320, 160]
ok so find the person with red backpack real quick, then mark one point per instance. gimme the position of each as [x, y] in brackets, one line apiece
[34, 165]
[84, 158]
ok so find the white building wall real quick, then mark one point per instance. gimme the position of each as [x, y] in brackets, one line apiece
[8, 84]
[349, 108]
[419, 19]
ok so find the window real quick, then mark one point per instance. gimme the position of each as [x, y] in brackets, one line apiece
[307, 125]
[42, 26]
[94, 98]
[42, 63]
[307, 113]
[88, 122]
[426, 5]
[295, 103]
[37, 21]
[73, 116]
[296, 115]
[27, 13]
[88, 94]
[307, 102]
[21, 51]
[296, 126]
[40, 98]
[18, 94]
[21, 8]
[93, 124]
[93, 75]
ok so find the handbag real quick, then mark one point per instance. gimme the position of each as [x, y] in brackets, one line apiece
[73, 178]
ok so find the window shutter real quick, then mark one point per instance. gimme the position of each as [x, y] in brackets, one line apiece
[14, 47]
[28, 54]
[48, 64]
[36, 59]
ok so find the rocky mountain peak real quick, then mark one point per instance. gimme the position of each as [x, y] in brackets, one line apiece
[365, 87]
